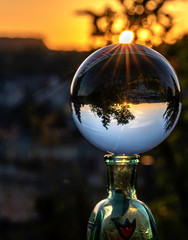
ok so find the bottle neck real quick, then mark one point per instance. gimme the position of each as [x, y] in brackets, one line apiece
[121, 175]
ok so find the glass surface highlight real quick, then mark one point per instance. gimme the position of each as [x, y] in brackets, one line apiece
[125, 99]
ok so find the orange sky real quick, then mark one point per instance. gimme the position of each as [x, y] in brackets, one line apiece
[56, 22]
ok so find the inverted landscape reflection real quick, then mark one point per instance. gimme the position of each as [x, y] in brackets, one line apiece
[125, 99]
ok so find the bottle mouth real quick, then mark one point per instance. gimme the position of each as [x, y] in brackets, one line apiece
[121, 159]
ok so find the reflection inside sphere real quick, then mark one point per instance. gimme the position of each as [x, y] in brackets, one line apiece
[125, 98]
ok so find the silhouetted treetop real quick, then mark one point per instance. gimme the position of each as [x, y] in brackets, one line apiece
[148, 20]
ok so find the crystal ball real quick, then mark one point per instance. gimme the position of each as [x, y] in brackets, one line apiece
[125, 99]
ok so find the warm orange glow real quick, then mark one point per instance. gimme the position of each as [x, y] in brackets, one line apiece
[151, 5]
[118, 25]
[57, 23]
[126, 37]
[143, 34]
[147, 160]
[139, 9]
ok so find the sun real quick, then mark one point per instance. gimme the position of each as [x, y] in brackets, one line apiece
[126, 37]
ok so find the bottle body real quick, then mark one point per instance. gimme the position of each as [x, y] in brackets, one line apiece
[117, 219]
[121, 216]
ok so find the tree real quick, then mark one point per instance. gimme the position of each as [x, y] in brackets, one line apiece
[146, 18]
[152, 26]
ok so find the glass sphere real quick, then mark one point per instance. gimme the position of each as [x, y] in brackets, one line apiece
[125, 99]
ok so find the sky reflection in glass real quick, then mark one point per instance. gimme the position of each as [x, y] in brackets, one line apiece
[125, 99]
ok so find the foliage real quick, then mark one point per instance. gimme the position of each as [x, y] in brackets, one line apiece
[63, 214]
[146, 18]
[152, 27]
[171, 164]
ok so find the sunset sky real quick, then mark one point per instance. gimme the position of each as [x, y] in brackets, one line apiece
[56, 22]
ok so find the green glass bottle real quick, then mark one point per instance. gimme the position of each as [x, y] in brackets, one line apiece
[121, 216]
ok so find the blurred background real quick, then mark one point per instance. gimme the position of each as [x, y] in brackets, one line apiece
[50, 177]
